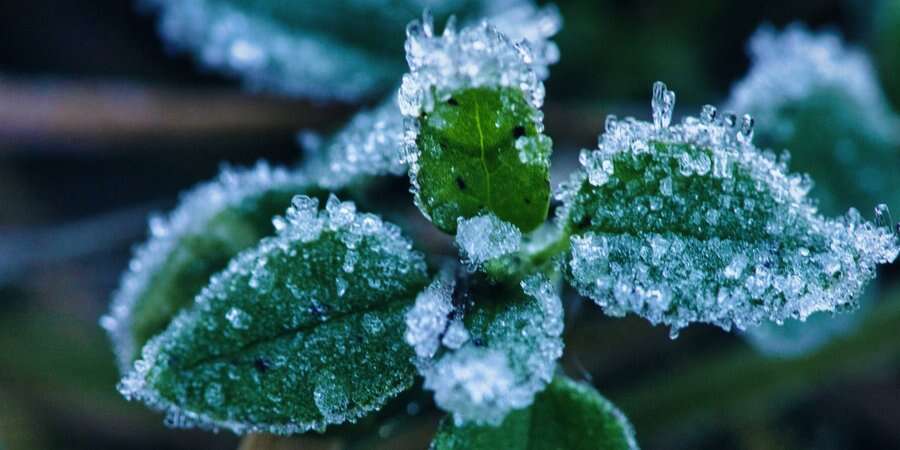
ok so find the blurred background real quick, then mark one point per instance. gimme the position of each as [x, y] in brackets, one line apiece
[100, 125]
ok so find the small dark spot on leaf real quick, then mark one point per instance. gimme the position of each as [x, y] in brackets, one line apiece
[518, 131]
[461, 183]
[452, 102]
[527, 201]
[478, 342]
[261, 365]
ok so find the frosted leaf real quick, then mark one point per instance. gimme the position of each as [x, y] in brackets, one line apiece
[484, 238]
[513, 342]
[473, 138]
[887, 41]
[213, 222]
[297, 354]
[320, 49]
[370, 145]
[820, 98]
[567, 415]
[766, 254]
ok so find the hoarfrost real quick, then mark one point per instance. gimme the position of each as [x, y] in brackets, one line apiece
[427, 319]
[196, 208]
[370, 145]
[475, 56]
[484, 238]
[231, 313]
[765, 255]
[500, 363]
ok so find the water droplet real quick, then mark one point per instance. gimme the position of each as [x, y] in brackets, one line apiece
[238, 318]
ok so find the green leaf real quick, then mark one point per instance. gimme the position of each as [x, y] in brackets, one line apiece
[490, 354]
[567, 415]
[302, 331]
[887, 41]
[213, 223]
[821, 99]
[480, 151]
[691, 223]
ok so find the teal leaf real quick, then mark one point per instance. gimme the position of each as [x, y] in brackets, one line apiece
[321, 49]
[820, 98]
[567, 415]
[302, 331]
[475, 142]
[213, 222]
[887, 41]
[490, 355]
[692, 223]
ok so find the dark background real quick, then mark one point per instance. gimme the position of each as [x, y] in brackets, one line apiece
[101, 125]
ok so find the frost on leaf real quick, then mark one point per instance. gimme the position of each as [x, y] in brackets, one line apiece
[820, 99]
[567, 415]
[212, 223]
[692, 223]
[485, 238]
[316, 48]
[474, 137]
[370, 145]
[496, 352]
[302, 331]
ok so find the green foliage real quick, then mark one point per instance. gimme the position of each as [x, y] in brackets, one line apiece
[199, 255]
[887, 42]
[491, 354]
[302, 331]
[691, 223]
[567, 415]
[481, 151]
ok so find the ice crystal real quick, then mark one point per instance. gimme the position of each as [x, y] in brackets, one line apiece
[819, 98]
[290, 354]
[196, 213]
[495, 361]
[486, 237]
[370, 145]
[692, 223]
[427, 319]
[475, 56]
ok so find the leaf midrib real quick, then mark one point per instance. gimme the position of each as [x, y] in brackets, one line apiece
[287, 332]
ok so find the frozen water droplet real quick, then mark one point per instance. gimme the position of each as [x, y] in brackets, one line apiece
[883, 216]
[238, 318]
[663, 103]
[708, 114]
[214, 395]
[340, 286]
[372, 324]
[331, 397]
